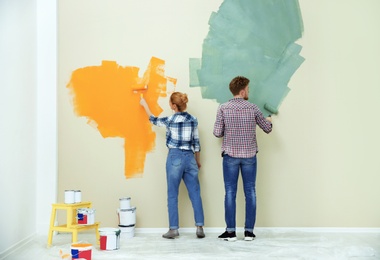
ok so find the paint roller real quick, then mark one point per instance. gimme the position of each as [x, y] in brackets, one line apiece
[270, 108]
[141, 91]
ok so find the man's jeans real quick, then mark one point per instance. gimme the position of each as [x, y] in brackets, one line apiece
[231, 168]
[181, 164]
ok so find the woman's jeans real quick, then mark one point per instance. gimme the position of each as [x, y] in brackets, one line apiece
[231, 168]
[181, 164]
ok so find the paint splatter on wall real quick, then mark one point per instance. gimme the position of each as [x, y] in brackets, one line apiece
[106, 95]
[253, 38]
[256, 39]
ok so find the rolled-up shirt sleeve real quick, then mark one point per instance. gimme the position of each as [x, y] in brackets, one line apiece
[158, 121]
[264, 124]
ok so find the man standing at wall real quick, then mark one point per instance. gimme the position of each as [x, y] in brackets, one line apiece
[236, 122]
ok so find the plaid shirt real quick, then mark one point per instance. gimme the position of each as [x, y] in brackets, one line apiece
[181, 131]
[236, 122]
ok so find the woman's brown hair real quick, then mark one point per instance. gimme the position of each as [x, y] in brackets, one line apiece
[180, 100]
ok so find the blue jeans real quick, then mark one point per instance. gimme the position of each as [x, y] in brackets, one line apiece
[231, 168]
[181, 164]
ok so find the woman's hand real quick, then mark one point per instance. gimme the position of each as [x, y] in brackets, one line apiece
[143, 102]
[145, 106]
[198, 159]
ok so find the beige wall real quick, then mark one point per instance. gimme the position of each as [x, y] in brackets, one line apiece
[318, 168]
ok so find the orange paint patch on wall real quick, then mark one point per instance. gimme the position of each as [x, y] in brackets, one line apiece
[105, 96]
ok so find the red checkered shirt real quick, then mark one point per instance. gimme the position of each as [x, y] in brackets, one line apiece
[236, 122]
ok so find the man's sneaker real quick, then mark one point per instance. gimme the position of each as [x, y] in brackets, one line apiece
[172, 233]
[228, 236]
[200, 233]
[248, 236]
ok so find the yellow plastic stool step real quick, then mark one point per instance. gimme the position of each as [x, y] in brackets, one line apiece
[71, 222]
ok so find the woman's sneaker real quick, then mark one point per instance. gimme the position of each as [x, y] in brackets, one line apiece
[228, 236]
[248, 236]
[200, 233]
[172, 233]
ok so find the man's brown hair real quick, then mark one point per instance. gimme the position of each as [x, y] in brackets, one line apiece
[238, 83]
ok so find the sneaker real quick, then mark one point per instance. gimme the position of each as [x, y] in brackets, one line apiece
[248, 236]
[172, 233]
[200, 233]
[228, 236]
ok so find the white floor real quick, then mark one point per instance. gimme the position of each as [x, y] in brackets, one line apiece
[269, 244]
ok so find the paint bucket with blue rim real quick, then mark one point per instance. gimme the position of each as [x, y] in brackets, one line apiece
[86, 216]
[81, 251]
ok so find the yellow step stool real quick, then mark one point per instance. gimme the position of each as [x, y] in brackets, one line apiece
[71, 221]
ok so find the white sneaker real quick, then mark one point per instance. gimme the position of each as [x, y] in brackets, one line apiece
[248, 236]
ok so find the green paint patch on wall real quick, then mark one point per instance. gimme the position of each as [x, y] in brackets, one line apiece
[251, 38]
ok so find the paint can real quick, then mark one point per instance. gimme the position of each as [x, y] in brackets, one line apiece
[77, 196]
[109, 238]
[69, 196]
[125, 203]
[86, 216]
[127, 231]
[127, 217]
[81, 251]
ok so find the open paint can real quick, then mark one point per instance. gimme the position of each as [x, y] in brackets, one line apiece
[109, 238]
[86, 216]
[125, 203]
[81, 251]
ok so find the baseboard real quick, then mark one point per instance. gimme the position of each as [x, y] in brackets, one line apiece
[323, 229]
[270, 229]
[16, 246]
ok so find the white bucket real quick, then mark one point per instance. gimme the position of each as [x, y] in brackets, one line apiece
[69, 196]
[127, 232]
[127, 217]
[109, 238]
[81, 251]
[125, 203]
[86, 216]
[77, 196]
